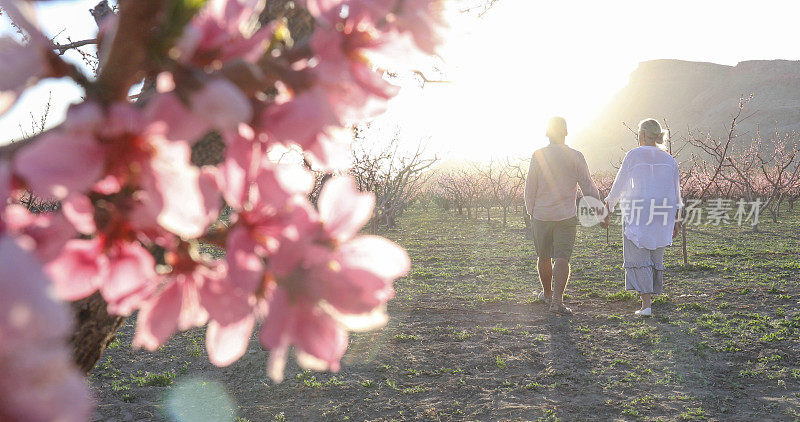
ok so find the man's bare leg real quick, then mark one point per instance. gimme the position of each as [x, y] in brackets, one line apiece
[545, 268]
[560, 279]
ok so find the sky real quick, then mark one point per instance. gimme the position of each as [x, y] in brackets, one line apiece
[519, 64]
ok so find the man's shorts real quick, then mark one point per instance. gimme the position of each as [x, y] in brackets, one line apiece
[554, 239]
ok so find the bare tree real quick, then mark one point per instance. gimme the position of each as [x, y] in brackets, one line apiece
[519, 171]
[504, 186]
[395, 178]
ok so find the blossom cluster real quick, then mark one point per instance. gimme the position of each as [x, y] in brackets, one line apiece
[135, 210]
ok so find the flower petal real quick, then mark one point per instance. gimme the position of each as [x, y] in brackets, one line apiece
[352, 291]
[343, 208]
[375, 254]
[319, 335]
[61, 163]
[132, 278]
[242, 158]
[22, 66]
[192, 312]
[245, 268]
[39, 382]
[181, 123]
[277, 362]
[300, 119]
[227, 343]
[158, 318]
[78, 209]
[25, 308]
[222, 104]
[178, 184]
[79, 270]
[223, 301]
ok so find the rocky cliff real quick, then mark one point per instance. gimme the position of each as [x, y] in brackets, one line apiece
[697, 96]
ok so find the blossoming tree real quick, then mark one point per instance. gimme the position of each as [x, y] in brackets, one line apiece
[135, 210]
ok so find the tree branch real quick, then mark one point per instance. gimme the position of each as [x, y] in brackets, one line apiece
[126, 61]
[62, 48]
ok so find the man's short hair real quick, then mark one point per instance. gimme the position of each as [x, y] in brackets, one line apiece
[556, 127]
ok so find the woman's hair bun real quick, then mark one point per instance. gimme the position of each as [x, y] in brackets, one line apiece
[652, 130]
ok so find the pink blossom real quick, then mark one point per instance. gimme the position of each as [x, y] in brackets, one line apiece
[79, 210]
[329, 280]
[224, 30]
[131, 278]
[23, 65]
[39, 382]
[245, 259]
[124, 273]
[343, 47]
[319, 340]
[180, 303]
[180, 196]
[129, 191]
[276, 208]
[66, 160]
[222, 104]
[176, 194]
[45, 234]
[179, 122]
[302, 119]
[216, 104]
[79, 270]
[347, 88]
[227, 342]
[424, 20]
[310, 121]
[191, 295]
[344, 209]
[250, 181]
[242, 163]
[267, 214]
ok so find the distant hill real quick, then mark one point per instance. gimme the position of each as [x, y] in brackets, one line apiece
[696, 95]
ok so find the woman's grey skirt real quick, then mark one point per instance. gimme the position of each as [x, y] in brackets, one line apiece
[644, 268]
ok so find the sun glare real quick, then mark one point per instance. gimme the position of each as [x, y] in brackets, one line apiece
[507, 76]
[525, 61]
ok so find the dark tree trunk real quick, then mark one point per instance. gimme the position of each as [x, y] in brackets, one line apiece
[94, 330]
[505, 212]
[488, 215]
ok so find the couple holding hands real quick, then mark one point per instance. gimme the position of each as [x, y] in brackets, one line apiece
[646, 188]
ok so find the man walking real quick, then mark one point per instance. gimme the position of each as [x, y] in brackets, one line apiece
[551, 190]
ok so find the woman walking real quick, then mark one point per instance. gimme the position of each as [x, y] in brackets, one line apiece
[648, 191]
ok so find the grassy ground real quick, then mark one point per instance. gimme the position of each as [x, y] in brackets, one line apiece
[467, 339]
